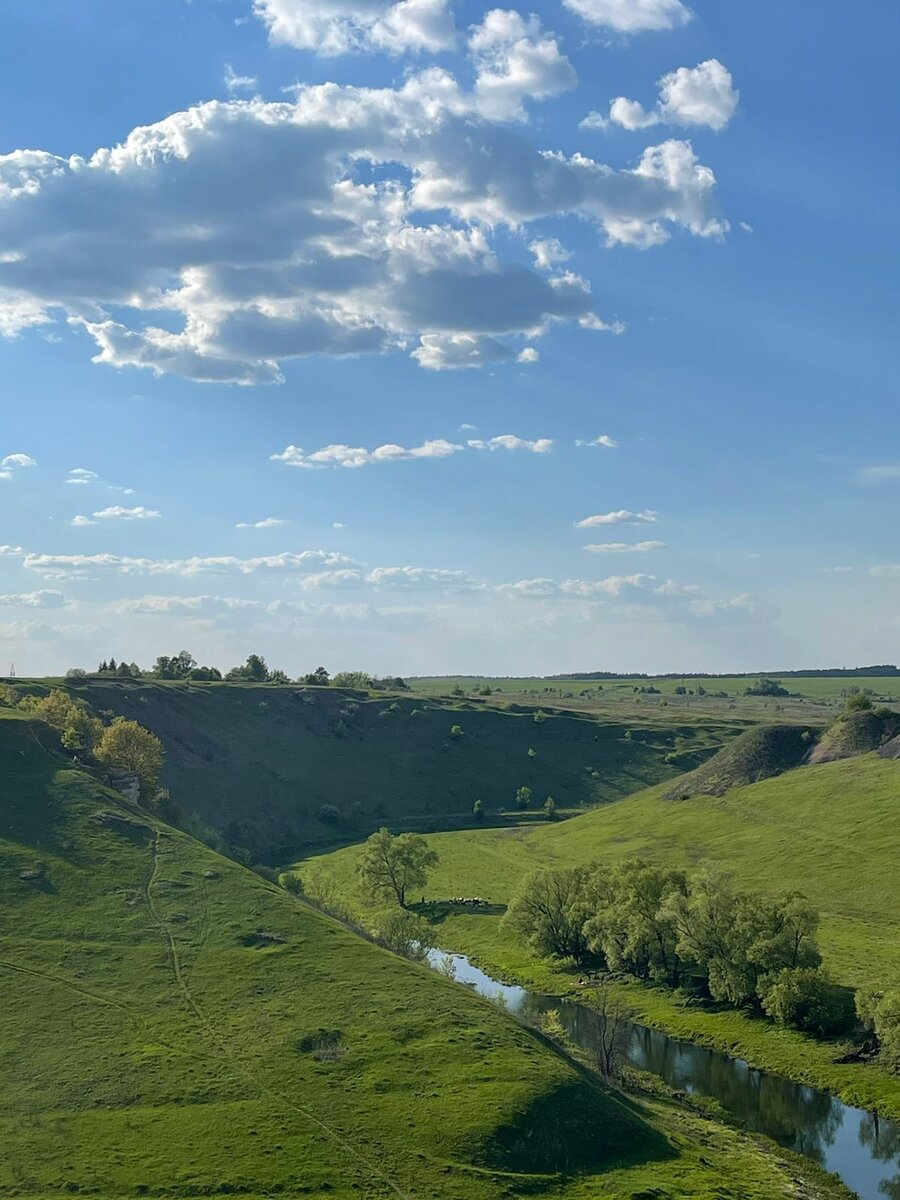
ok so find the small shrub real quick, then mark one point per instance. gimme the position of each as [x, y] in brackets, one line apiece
[329, 814]
[456, 732]
[326, 1045]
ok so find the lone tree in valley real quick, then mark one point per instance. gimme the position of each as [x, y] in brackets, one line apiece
[393, 866]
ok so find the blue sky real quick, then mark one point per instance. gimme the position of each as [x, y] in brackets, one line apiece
[432, 247]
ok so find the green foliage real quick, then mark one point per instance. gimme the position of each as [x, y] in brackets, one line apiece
[523, 797]
[317, 678]
[456, 732]
[804, 998]
[361, 680]
[330, 814]
[858, 702]
[766, 687]
[127, 746]
[291, 883]
[256, 670]
[550, 911]
[632, 927]
[391, 867]
[478, 811]
[736, 938]
[539, 717]
[81, 730]
[879, 1011]
[549, 808]
[403, 933]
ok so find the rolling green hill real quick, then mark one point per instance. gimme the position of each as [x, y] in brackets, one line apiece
[831, 831]
[262, 762]
[172, 1025]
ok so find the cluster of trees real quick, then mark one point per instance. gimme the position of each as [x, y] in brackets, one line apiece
[766, 687]
[122, 745]
[183, 665]
[659, 924]
[122, 670]
[361, 680]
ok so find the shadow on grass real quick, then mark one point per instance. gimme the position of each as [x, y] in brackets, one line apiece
[435, 912]
[577, 1127]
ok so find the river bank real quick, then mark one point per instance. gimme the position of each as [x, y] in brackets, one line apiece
[761, 1043]
[862, 1150]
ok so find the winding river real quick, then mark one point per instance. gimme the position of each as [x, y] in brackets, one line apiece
[861, 1149]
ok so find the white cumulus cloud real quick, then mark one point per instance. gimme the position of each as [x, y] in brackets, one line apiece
[14, 462]
[631, 16]
[509, 441]
[331, 27]
[117, 513]
[514, 61]
[44, 598]
[339, 455]
[690, 96]
[231, 237]
[621, 516]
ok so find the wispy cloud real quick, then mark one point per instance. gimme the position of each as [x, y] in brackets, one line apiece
[603, 440]
[238, 83]
[117, 513]
[82, 477]
[621, 516]
[44, 598]
[340, 455]
[624, 547]
[885, 473]
[15, 462]
[286, 562]
[265, 523]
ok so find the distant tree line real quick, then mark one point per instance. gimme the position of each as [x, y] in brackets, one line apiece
[183, 666]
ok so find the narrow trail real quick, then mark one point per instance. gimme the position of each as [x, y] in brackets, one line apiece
[97, 997]
[244, 1074]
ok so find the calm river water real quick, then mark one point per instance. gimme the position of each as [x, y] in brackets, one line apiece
[862, 1150]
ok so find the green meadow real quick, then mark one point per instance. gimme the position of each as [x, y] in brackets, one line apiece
[830, 831]
[174, 1025]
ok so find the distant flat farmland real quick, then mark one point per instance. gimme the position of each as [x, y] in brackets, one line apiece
[818, 688]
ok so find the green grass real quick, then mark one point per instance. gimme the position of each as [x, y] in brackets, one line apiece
[816, 688]
[260, 762]
[831, 831]
[152, 1042]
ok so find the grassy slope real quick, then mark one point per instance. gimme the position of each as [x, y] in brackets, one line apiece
[831, 831]
[268, 758]
[147, 1046]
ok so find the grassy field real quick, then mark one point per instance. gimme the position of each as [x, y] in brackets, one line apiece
[831, 831]
[262, 762]
[174, 1025]
[818, 688]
